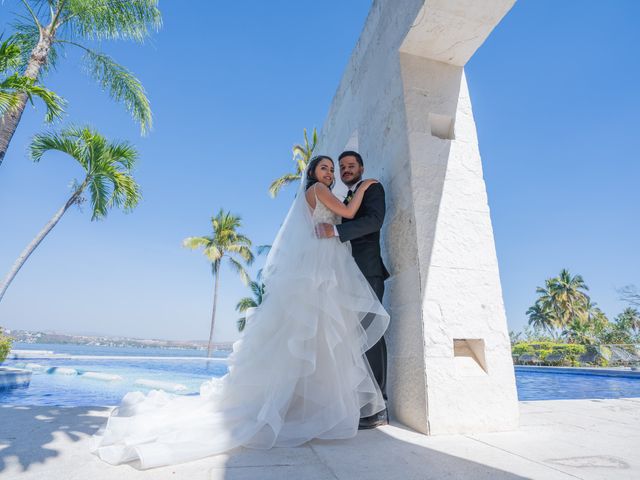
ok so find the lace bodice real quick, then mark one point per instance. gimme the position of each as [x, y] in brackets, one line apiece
[322, 214]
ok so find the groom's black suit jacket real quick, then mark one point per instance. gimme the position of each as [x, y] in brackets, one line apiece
[363, 231]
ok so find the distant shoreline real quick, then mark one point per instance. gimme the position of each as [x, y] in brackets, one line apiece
[24, 351]
[31, 339]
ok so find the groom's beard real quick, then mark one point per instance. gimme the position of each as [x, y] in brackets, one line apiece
[353, 182]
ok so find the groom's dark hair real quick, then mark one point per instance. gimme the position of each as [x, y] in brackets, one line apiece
[351, 153]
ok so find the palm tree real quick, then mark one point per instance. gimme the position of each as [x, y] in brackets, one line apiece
[107, 167]
[578, 332]
[540, 317]
[47, 27]
[301, 156]
[564, 295]
[630, 319]
[225, 242]
[13, 85]
[257, 288]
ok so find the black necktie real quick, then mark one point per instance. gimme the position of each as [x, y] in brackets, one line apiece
[347, 199]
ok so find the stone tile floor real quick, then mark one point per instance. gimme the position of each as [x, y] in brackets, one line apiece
[559, 439]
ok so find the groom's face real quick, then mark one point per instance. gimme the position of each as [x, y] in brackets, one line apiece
[350, 170]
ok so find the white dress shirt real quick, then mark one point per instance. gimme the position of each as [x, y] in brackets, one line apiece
[353, 189]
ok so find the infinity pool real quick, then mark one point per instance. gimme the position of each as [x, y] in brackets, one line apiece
[69, 382]
[543, 385]
[80, 389]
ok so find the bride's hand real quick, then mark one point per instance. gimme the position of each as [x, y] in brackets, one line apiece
[368, 182]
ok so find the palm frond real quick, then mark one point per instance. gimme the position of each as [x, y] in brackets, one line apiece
[9, 101]
[244, 304]
[125, 193]
[61, 142]
[54, 103]
[14, 85]
[237, 266]
[99, 192]
[298, 151]
[196, 242]
[258, 291]
[9, 55]
[122, 86]
[240, 239]
[284, 180]
[123, 153]
[112, 19]
[262, 249]
[301, 166]
[242, 323]
[243, 251]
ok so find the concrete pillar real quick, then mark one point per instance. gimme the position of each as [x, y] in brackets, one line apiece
[403, 100]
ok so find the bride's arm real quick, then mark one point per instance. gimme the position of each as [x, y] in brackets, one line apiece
[335, 205]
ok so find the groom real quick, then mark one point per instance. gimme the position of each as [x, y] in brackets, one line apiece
[364, 233]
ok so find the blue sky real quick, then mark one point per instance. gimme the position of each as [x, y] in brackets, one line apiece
[232, 85]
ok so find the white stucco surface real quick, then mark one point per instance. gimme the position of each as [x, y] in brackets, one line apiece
[561, 439]
[403, 101]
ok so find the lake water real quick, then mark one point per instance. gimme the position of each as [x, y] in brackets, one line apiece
[184, 370]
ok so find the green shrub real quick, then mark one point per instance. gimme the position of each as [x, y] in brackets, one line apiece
[5, 346]
[571, 352]
[521, 348]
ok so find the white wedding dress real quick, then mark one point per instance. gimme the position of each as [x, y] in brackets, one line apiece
[297, 373]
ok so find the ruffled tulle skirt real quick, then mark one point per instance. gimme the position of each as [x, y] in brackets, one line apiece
[297, 373]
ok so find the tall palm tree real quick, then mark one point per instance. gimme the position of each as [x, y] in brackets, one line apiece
[107, 166]
[257, 288]
[225, 242]
[13, 85]
[301, 156]
[565, 296]
[46, 27]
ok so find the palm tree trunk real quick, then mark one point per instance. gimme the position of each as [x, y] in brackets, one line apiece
[37, 60]
[216, 282]
[36, 241]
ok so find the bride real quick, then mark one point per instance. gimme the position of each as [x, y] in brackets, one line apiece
[297, 373]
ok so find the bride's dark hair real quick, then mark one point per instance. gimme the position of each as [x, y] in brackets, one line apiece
[311, 169]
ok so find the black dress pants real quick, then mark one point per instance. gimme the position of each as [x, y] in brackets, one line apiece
[377, 355]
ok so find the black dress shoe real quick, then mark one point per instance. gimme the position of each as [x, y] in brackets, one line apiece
[374, 421]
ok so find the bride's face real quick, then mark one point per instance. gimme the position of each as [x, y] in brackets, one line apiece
[324, 172]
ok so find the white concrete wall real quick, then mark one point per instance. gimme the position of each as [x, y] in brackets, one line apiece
[403, 101]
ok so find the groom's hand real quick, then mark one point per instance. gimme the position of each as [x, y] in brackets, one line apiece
[324, 230]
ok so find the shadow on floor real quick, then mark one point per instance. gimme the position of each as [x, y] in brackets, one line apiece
[372, 455]
[25, 431]
[31, 437]
[378, 455]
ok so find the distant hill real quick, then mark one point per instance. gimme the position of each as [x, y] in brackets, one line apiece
[28, 336]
